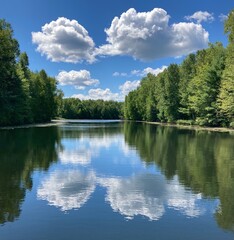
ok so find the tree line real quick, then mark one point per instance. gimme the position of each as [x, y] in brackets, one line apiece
[25, 96]
[199, 160]
[74, 108]
[198, 91]
[33, 97]
[21, 153]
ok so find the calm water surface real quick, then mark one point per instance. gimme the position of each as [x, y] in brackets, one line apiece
[116, 180]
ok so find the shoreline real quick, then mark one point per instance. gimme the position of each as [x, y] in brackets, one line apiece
[48, 124]
[192, 127]
[56, 122]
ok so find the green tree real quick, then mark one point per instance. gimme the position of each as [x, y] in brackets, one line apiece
[131, 109]
[226, 96]
[168, 94]
[23, 73]
[44, 96]
[187, 72]
[10, 85]
[172, 92]
[204, 87]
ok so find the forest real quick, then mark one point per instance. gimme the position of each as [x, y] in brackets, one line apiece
[25, 96]
[199, 91]
[74, 108]
[33, 97]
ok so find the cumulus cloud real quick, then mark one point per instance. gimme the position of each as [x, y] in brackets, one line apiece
[129, 197]
[78, 79]
[140, 73]
[120, 74]
[141, 35]
[147, 70]
[64, 40]
[81, 156]
[223, 17]
[154, 71]
[129, 86]
[201, 17]
[148, 195]
[148, 35]
[99, 93]
[107, 94]
[67, 190]
[125, 88]
[82, 150]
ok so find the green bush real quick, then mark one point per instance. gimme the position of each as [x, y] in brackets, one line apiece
[185, 122]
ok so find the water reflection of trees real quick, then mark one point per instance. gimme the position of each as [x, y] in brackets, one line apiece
[21, 152]
[77, 130]
[203, 161]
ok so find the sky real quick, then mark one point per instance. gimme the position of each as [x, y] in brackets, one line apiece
[101, 49]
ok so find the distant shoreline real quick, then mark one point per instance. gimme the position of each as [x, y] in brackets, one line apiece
[56, 122]
[48, 124]
[192, 127]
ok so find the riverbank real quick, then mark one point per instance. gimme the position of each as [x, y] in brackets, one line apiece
[49, 124]
[193, 127]
[56, 122]
[61, 121]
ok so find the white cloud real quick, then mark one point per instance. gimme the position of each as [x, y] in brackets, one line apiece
[129, 86]
[81, 151]
[107, 94]
[98, 93]
[79, 79]
[147, 70]
[148, 35]
[130, 197]
[81, 156]
[67, 190]
[136, 72]
[223, 17]
[148, 194]
[140, 73]
[154, 71]
[120, 74]
[201, 17]
[64, 40]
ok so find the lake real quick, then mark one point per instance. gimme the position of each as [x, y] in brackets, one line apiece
[115, 180]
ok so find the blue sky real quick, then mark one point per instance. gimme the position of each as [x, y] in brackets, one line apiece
[102, 49]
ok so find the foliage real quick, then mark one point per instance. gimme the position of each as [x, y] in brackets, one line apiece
[226, 95]
[198, 91]
[21, 153]
[185, 122]
[202, 161]
[25, 96]
[74, 108]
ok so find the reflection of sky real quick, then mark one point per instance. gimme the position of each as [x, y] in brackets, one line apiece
[82, 150]
[67, 189]
[131, 188]
[100, 153]
[144, 194]
[148, 195]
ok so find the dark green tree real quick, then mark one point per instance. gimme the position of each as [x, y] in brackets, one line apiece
[23, 73]
[204, 87]
[10, 85]
[226, 96]
[187, 72]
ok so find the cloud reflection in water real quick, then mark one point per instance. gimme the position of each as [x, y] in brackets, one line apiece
[67, 190]
[148, 195]
[144, 194]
